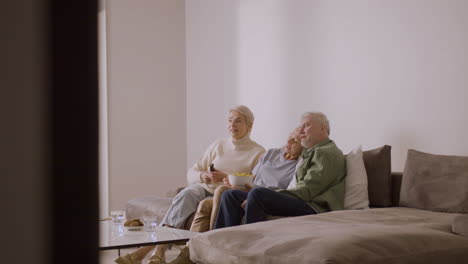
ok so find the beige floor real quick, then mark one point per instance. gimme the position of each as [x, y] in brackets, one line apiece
[108, 256]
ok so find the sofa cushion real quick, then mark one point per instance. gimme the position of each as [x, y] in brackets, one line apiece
[356, 194]
[154, 206]
[148, 205]
[435, 182]
[383, 236]
[379, 176]
[396, 185]
[460, 225]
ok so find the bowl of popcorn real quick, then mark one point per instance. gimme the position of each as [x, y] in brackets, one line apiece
[240, 179]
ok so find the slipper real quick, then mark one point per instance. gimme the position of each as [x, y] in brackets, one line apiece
[183, 258]
[155, 259]
[127, 259]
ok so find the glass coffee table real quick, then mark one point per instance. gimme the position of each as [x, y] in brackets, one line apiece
[114, 236]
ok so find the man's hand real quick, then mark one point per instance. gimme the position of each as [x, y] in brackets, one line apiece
[243, 204]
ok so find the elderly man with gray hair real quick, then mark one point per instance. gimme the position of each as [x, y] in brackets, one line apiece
[319, 185]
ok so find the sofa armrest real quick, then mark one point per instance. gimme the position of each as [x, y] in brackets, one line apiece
[154, 205]
[173, 192]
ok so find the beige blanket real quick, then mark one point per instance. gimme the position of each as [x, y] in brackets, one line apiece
[387, 235]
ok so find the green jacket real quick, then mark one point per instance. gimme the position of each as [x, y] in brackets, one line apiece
[321, 177]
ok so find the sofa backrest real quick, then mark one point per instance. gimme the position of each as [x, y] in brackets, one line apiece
[396, 186]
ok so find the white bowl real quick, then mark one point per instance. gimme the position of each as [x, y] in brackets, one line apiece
[240, 181]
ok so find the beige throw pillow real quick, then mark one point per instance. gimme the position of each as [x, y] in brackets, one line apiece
[356, 195]
[435, 182]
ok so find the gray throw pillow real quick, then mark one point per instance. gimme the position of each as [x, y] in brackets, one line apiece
[435, 182]
[379, 176]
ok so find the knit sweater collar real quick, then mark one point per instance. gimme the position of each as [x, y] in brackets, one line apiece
[243, 141]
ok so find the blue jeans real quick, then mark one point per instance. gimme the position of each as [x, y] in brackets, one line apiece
[260, 203]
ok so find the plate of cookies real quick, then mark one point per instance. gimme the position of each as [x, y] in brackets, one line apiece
[133, 225]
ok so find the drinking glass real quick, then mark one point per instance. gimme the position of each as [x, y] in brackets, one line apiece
[150, 222]
[118, 217]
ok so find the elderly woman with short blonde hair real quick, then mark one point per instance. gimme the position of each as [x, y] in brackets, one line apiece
[237, 153]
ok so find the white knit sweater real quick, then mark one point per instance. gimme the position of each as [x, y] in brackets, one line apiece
[228, 155]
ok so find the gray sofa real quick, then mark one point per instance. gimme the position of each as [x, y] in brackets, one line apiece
[424, 220]
[157, 205]
[384, 188]
[418, 216]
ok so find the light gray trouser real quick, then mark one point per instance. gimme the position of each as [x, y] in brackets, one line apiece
[184, 204]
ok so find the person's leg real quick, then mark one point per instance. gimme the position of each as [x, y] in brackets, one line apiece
[159, 255]
[263, 201]
[230, 211]
[216, 203]
[183, 257]
[135, 257]
[201, 221]
[183, 205]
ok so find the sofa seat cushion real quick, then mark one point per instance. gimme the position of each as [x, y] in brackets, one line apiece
[383, 235]
[460, 225]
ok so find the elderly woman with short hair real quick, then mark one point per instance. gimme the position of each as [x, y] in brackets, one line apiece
[238, 153]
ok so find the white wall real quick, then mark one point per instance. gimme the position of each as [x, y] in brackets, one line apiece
[211, 46]
[385, 72]
[146, 98]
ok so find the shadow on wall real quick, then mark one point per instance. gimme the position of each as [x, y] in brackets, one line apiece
[267, 82]
[403, 140]
[212, 71]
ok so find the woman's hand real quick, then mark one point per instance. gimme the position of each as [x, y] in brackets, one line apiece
[205, 176]
[226, 182]
[213, 176]
[217, 176]
[248, 187]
